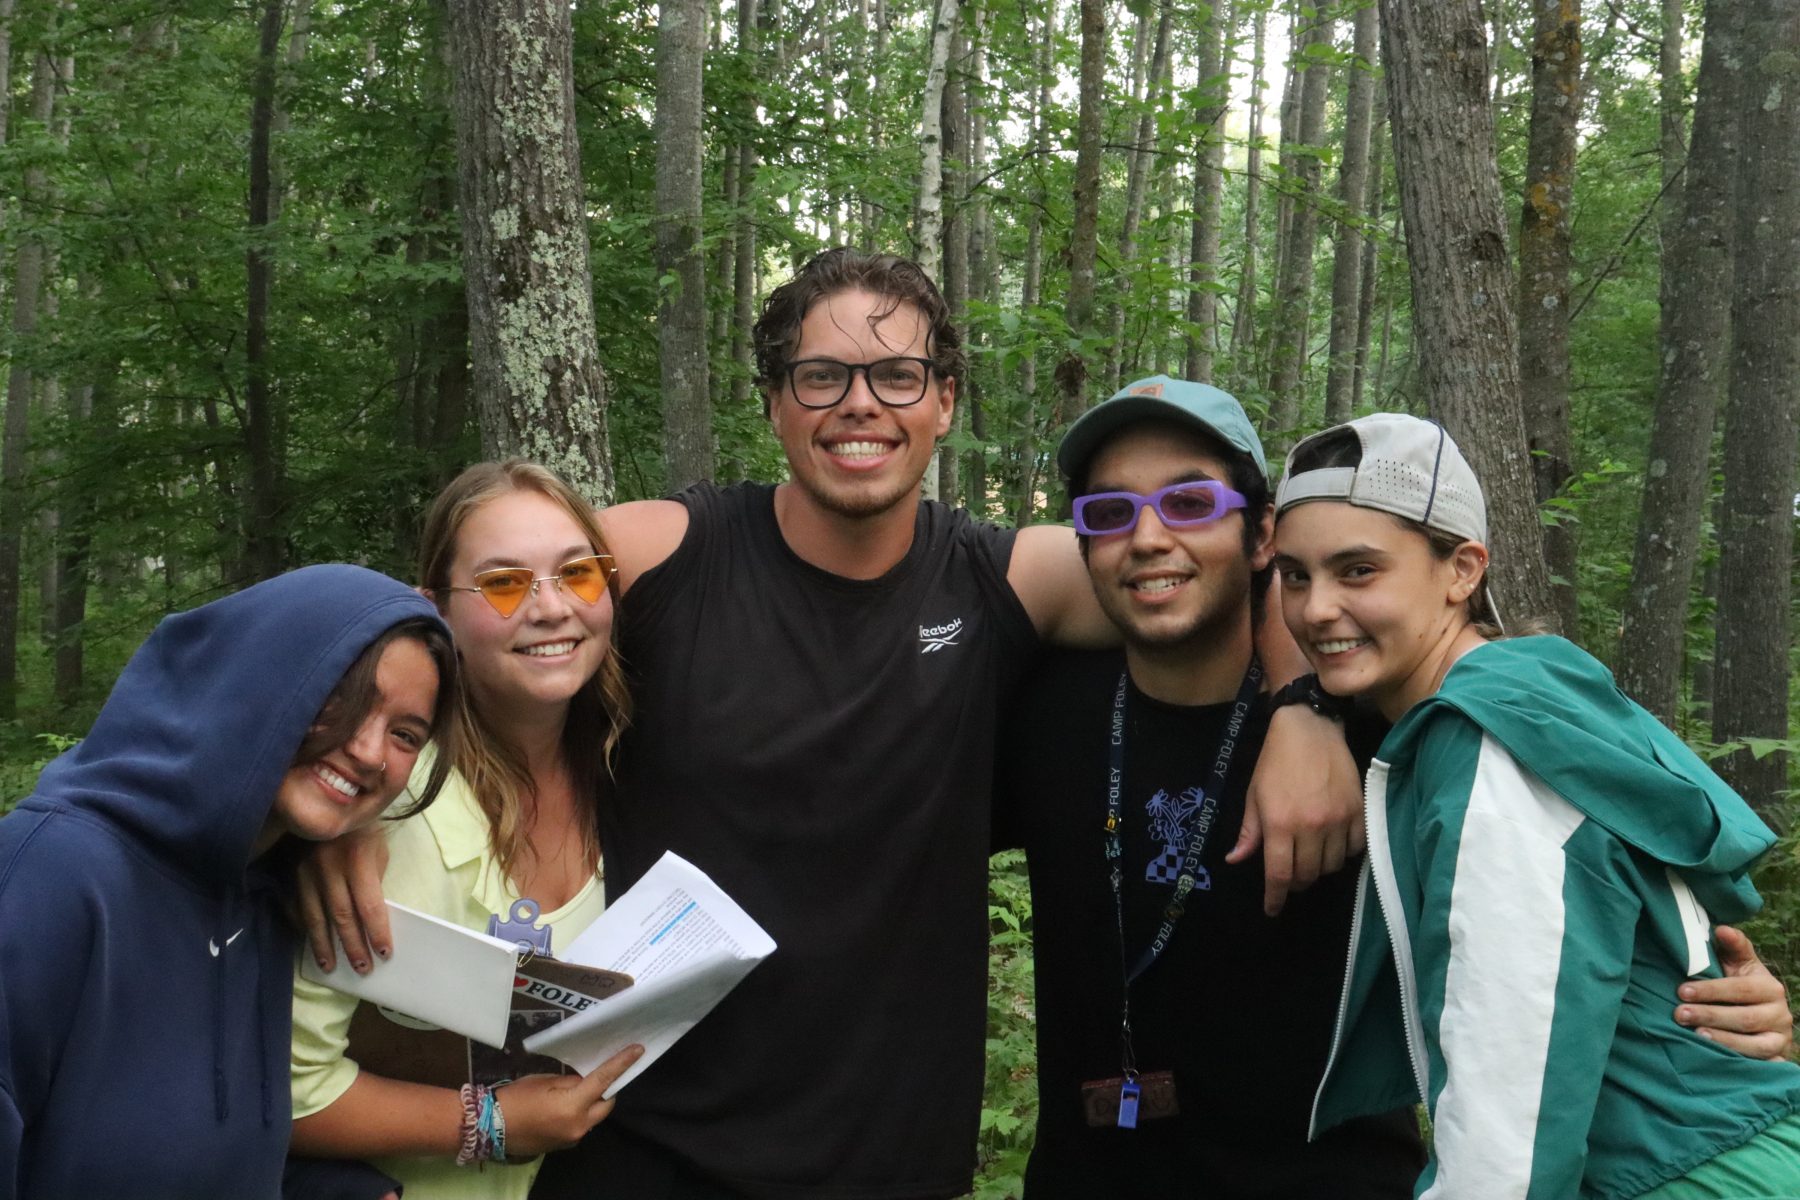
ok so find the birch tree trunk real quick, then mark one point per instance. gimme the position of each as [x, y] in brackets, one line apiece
[1544, 257]
[930, 231]
[955, 278]
[1353, 186]
[1762, 414]
[1696, 340]
[1467, 345]
[539, 386]
[929, 235]
[680, 254]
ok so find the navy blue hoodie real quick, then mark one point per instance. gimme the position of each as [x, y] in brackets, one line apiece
[146, 971]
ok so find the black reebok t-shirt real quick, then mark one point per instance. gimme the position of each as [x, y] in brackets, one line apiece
[823, 748]
[1239, 1006]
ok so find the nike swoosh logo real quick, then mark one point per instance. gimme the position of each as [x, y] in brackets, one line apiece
[214, 947]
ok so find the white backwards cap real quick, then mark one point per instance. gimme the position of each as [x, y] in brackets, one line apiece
[1409, 467]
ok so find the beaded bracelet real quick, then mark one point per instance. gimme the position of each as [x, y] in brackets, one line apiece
[483, 1126]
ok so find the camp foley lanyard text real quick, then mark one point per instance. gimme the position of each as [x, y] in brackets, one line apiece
[1190, 861]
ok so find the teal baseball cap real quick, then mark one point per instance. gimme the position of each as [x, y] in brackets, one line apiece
[1213, 412]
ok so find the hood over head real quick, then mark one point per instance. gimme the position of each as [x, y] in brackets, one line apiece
[207, 716]
[1558, 711]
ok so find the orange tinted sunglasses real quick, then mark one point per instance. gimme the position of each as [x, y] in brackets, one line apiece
[505, 588]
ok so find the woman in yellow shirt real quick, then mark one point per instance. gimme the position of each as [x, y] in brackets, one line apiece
[517, 567]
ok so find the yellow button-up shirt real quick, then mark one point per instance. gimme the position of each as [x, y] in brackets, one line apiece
[440, 862]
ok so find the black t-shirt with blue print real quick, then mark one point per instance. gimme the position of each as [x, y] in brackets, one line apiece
[1239, 1006]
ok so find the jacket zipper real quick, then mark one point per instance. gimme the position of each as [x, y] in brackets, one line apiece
[1337, 1034]
[1387, 894]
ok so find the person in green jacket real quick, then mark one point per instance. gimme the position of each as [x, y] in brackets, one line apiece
[1545, 862]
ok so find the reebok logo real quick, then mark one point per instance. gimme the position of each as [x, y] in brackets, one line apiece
[936, 637]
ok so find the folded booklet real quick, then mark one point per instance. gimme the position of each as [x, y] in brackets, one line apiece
[451, 1005]
[685, 943]
[544, 991]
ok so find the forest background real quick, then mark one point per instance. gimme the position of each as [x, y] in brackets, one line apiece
[272, 271]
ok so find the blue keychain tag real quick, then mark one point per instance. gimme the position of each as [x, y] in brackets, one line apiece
[1128, 1104]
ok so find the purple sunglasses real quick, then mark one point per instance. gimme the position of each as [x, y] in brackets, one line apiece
[1179, 505]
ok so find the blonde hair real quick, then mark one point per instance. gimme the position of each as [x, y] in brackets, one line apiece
[496, 770]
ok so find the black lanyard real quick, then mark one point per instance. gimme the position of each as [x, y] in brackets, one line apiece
[1190, 859]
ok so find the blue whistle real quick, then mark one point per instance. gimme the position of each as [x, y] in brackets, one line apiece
[1128, 1104]
[522, 930]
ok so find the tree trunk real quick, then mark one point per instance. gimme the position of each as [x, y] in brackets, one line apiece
[1497, 47]
[1287, 342]
[1084, 234]
[539, 386]
[6, 32]
[299, 33]
[1696, 337]
[1704, 675]
[1243, 325]
[1762, 414]
[930, 232]
[955, 279]
[1374, 206]
[1209, 181]
[724, 279]
[28, 279]
[50, 398]
[1467, 345]
[1544, 257]
[90, 411]
[1353, 185]
[743, 271]
[981, 257]
[1031, 287]
[1139, 157]
[1288, 122]
[680, 252]
[1672, 95]
[1387, 325]
[929, 235]
[265, 547]
[877, 57]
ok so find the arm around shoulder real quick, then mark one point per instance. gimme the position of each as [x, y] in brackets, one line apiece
[641, 535]
[1048, 576]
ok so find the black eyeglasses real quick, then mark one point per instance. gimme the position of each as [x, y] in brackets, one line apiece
[824, 382]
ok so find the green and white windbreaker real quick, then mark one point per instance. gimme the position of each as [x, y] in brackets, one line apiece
[1546, 860]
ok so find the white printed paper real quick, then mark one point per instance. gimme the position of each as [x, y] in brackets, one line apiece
[452, 977]
[684, 941]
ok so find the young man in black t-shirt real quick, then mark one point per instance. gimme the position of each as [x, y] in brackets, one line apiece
[1237, 1007]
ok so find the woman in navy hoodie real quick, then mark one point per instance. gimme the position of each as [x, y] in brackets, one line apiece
[145, 963]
